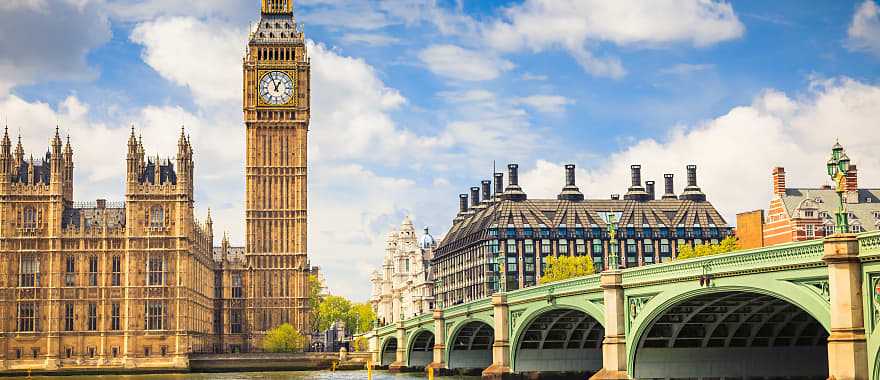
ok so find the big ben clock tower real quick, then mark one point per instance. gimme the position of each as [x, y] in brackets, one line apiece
[276, 116]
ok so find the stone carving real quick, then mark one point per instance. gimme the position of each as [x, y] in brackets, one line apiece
[635, 305]
[817, 286]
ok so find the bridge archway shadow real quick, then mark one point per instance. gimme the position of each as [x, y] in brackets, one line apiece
[560, 341]
[389, 352]
[732, 334]
[471, 348]
[421, 350]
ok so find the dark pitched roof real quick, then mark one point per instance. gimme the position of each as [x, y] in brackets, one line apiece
[554, 213]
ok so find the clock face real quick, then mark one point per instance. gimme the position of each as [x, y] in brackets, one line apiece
[276, 88]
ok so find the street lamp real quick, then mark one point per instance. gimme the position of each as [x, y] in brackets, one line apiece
[613, 259]
[838, 166]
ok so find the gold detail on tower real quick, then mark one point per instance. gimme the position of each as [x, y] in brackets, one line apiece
[277, 6]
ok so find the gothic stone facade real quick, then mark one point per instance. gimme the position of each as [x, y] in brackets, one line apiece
[276, 114]
[405, 285]
[502, 242]
[85, 285]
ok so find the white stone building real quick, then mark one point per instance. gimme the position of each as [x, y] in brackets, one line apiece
[405, 284]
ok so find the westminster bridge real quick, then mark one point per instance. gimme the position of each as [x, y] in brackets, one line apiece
[797, 310]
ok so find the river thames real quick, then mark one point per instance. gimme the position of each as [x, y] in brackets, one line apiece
[299, 375]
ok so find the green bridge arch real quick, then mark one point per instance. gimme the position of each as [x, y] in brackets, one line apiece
[536, 310]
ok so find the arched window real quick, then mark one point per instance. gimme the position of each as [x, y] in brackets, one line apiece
[29, 217]
[277, 25]
[157, 217]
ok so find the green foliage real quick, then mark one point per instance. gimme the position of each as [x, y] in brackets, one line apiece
[315, 299]
[358, 317]
[729, 244]
[565, 267]
[362, 315]
[332, 309]
[360, 344]
[283, 338]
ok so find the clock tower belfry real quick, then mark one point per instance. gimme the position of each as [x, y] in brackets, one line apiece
[276, 115]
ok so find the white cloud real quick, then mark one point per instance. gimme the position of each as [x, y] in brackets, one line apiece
[864, 31]
[735, 152]
[579, 24]
[370, 39]
[458, 63]
[195, 54]
[46, 43]
[683, 69]
[545, 103]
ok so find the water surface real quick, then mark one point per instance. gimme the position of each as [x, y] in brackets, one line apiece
[297, 375]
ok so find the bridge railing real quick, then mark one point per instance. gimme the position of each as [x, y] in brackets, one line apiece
[869, 244]
[800, 254]
[556, 289]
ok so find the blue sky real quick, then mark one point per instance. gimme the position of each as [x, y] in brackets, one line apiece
[413, 100]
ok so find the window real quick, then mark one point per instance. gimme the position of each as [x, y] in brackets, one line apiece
[155, 271]
[632, 252]
[29, 218]
[665, 250]
[70, 271]
[93, 271]
[648, 251]
[829, 229]
[809, 213]
[91, 352]
[562, 248]
[68, 317]
[580, 249]
[114, 351]
[236, 285]
[154, 315]
[146, 351]
[93, 317]
[27, 316]
[528, 247]
[29, 275]
[116, 267]
[114, 316]
[545, 247]
[157, 217]
[810, 232]
[235, 321]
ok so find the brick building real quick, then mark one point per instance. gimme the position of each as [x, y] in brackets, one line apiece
[501, 241]
[797, 214]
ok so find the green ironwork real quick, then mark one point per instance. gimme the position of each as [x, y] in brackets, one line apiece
[838, 166]
[793, 272]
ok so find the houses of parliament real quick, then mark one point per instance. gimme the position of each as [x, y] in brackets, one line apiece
[140, 283]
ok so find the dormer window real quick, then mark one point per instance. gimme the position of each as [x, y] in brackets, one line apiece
[157, 217]
[287, 25]
[268, 26]
[809, 214]
[817, 200]
[876, 214]
[277, 25]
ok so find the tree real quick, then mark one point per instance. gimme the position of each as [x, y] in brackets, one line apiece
[332, 309]
[315, 299]
[729, 244]
[361, 317]
[283, 338]
[360, 344]
[565, 267]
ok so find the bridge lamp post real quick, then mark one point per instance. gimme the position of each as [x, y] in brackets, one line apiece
[613, 259]
[838, 166]
[438, 302]
[706, 278]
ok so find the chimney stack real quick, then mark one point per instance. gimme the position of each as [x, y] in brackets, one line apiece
[779, 181]
[649, 188]
[615, 197]
[499, 185]
[692, 192]
[570, 192]
[636, 192]
[487, 191]
[475, 196]
[513, 192]
[462, 203]
[669, 186]
[851, 185]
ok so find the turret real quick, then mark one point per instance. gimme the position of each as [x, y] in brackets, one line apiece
[134, 159]
[184, 163]
[5, 156]
[56, 167]
[209, 227]
[67, 173]
[18, 157]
